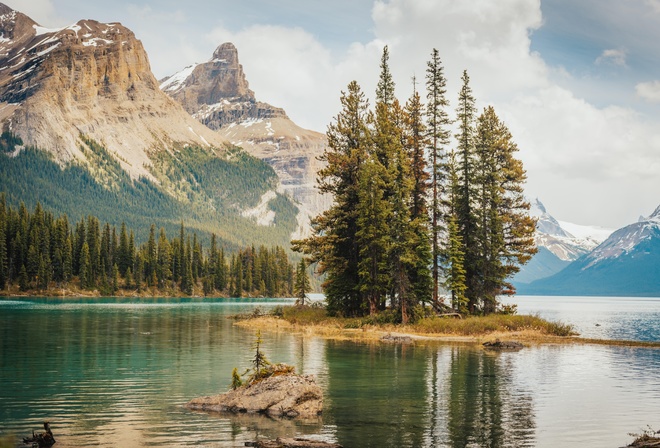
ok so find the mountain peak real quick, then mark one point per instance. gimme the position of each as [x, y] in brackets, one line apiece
[656, 214]
[226, 53]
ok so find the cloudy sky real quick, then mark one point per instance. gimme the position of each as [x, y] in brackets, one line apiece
[576, 81]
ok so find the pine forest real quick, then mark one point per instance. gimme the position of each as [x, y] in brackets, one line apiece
[419, 218]
[41, 252]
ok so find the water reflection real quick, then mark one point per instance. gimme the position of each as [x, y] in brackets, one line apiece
[411, 396]
[111, 374]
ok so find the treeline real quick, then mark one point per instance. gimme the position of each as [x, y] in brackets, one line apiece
[414, 212]
[40, 251]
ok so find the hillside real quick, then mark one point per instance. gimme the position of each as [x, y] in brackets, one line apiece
[83, 100]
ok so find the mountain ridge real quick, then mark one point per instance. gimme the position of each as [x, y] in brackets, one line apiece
[625, 264]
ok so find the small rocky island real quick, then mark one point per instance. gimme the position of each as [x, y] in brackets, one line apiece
[280, 395]
[270, 389]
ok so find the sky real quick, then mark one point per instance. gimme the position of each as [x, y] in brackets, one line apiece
[576, 81]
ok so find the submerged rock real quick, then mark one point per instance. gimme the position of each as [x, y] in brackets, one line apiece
[281, 442]
[503, 345]
[277, 396]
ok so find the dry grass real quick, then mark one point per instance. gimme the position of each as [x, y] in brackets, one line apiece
[528, 329]
[314, 321]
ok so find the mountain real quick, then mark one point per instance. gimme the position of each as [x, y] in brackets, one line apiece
[83, 99]
[217, 94]
[557, 246]
[625, 264]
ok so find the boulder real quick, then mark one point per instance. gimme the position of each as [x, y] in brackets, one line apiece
[277, 396]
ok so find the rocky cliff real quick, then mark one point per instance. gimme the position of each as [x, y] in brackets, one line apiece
[217, 94]
[89, 79]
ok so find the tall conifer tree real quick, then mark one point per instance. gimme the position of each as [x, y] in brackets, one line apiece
[438, 133]
[333, 243]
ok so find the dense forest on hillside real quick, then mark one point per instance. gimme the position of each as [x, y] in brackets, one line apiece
[207, 192]
[41, 251]
[414, 213]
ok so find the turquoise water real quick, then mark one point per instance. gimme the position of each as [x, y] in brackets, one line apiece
[110, 372]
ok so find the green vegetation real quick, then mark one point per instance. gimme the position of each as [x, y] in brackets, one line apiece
[39, 251]
[261, 369]
[207, 190]
[395, 233]
[425, 323]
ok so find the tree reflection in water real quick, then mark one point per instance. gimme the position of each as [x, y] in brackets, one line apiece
[397, 395]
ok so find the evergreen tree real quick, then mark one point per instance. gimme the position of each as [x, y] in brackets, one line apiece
[333, 243]
[3, 250]
[465, 214]
[302, 286]
[438, 133]
[23, 282]
[505, 237]
[124, 261]
[372, 241]
[86, 280]
[115, 278]
[164, 260]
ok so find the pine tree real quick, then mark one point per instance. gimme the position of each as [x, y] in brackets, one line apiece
[438, 123]
[302, 286]
[416, 140]
[115, 278]
[505, 236]
[124, 261]
[372, 241]
[86, 280]
[333, 243]
[466, 220]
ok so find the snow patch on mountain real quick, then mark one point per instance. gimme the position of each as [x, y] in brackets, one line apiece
[594, 233]
[261, 213]
[626, 240]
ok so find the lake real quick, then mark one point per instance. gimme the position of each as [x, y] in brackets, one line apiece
[116, 373]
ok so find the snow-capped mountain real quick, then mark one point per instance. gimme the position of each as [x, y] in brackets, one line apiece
[558, 246]
[625, 264]
[567, 241]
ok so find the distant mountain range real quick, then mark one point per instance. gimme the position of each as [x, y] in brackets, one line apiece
[627, 263]
[558, 247]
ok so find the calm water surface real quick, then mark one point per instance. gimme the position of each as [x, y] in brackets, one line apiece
[116, 373]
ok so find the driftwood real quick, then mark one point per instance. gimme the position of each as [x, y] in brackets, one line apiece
[41, 440]
[281, 442]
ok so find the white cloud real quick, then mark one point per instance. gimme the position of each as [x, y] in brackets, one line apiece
[41, 11]
[582, 160]
[650, 91]
[612, 56]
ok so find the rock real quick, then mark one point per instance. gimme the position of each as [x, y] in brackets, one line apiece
[292, 443]
[277, 396]
[397, 338]
[503, 345]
